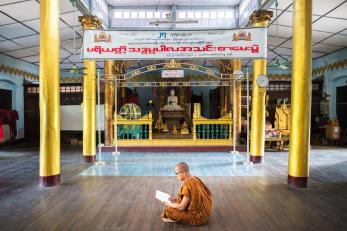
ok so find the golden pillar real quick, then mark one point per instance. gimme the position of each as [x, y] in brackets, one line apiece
[259, 18]
[162, 95]
[225, 67]
[237, 67]
[119, 69]
[227, 103]
[123, 94]
[221, 101]
[182, 97]
[109, 101]
[301, 94]
[49, 94]
[89, 97]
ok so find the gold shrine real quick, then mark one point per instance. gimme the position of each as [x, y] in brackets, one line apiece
[281, 130]
[173, 122]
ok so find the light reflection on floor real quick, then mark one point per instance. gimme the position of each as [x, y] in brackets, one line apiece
[162, 164]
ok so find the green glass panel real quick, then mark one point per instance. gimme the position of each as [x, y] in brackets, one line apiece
[198, 131]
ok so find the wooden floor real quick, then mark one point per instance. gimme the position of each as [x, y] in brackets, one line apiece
[127, 203]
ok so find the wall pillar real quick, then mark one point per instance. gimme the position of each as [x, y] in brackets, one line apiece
[49, 94]
[259, 18]
[222, 100]
[89, 97]
[237, 67]
[301, 94]
[108, 101]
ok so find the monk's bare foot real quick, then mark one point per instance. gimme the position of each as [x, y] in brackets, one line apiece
[167, 220]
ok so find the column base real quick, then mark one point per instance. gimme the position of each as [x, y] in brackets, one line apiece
[89, 159]
[256, 159]
[48, 181]
[300, 182]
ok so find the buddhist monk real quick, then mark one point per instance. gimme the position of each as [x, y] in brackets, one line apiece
[193, 204]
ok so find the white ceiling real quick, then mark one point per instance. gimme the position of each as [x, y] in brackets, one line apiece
[171, 2]
[329, 28]
[20, 27]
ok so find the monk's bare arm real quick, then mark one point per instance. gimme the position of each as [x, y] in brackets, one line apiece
[180, 206]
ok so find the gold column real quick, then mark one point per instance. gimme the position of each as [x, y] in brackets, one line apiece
[237, 67]
[161, 94]
[89, 97]
[49, 94]
[227, 94]
[221, 101]
[119, 68]
[182, 97]
[301, 94]
[259, 18]
[109, 101]
[123, 93]
[225, 67]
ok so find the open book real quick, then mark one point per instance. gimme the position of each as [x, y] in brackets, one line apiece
[162, 196]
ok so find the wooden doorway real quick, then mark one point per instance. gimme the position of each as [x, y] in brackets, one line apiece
[341, 106]
[6, 99]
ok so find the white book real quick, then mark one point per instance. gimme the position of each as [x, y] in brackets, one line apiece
[163, 197]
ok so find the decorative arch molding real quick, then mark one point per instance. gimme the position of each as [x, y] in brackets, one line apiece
[172, 65]
[340, 77]
[8, 81]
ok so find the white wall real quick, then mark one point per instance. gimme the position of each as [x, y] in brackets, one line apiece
[71, 118]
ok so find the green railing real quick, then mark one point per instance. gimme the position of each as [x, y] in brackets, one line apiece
[133, 132]
[140, 129]
[212, 131]
[213, 128]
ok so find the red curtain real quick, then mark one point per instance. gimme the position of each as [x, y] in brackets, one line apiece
[1, 132]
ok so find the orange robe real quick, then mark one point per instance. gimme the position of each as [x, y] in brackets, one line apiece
[199, 207]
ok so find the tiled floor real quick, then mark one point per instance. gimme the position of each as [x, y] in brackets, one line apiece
[162, 164]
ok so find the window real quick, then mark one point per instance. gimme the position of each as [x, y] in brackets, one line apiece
[126, 14]
[166, 15]
[190, 14]
[197, 14]
[149, 14]
[142, 14]
[220, 14]
[181, 14]
[33, 90]
[157, 14]
[118, 14]
[205, 14]
[134, 14]
[315, 87]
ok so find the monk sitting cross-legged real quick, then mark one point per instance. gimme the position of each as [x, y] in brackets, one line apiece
[193, 205]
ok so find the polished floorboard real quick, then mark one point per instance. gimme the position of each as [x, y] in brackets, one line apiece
[122, 200]
[160, 164]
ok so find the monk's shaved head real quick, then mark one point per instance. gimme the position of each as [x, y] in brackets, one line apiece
[182, 167]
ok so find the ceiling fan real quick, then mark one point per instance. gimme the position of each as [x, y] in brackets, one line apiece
[278, 63]
[74, 68]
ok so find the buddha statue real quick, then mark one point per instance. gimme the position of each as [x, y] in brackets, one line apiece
[159, 125]
[184, 129]
[165, 128]
[174, 130]
[172, 102]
